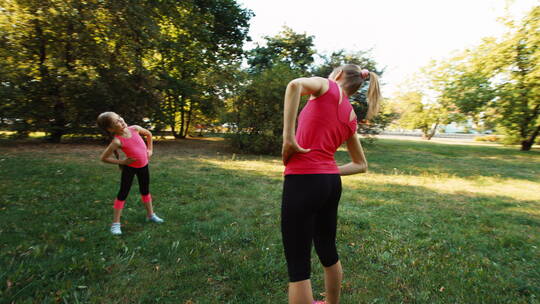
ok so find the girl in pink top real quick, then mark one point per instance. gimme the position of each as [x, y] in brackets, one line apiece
[129, 140]
[312, 186]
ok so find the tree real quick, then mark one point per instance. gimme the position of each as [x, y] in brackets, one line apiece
[257, 109]
[201, 40]
[416, 113]
[287, 47]
[260, 111]
[518, 98]
[68, 60]
[501, 78]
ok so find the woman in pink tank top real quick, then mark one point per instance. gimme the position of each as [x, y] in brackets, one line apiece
[129, 140]
[312, 185]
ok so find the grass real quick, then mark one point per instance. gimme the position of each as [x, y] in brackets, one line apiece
[430, 223]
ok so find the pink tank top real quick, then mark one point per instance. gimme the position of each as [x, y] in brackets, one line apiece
[323, 125]
[134, 147]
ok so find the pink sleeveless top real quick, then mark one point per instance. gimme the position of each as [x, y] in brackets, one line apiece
[134, 147]
[323, 125]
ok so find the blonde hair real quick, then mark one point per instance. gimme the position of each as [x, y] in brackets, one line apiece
[352, 80]
[374, 96]
[104, 122]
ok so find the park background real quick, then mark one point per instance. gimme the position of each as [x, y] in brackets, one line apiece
[433, 221]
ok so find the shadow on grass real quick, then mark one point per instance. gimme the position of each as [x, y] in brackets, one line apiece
[417, 158]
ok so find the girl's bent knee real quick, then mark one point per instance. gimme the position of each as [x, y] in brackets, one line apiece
[118, 204]
[146, 198]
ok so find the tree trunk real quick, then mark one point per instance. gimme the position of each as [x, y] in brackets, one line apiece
[60, 121]
[43, 73]
[182, 115]
[526, 145]
[188, 119]
[432, 132]
[43, 70]
[178, 134]
[425, 133]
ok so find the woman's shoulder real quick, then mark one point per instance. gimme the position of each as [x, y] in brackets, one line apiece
[329, 87]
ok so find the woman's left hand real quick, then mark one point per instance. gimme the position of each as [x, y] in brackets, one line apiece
[149, 153]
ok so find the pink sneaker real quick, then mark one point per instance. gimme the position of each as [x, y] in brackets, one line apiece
[319, 302]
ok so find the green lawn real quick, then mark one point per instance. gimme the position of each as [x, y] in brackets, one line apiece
[430, 223]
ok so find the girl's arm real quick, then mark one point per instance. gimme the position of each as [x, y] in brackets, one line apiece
[359, 162]
[106, 155]
[149, 142]
[295, 89]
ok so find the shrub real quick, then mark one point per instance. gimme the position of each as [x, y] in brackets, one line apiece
[488, 138]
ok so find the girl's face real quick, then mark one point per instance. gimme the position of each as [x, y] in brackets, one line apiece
[117, 125]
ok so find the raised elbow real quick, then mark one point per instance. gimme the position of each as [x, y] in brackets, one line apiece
[294, 84]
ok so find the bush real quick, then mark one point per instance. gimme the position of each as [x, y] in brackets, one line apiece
[488, 138]
[256, 143]
[259, 111]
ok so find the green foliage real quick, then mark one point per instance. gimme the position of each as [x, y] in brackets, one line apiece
[199, 48]
[499, 82]
[63, 62]
[69, 60]
[416, 113]
[259, 111]
[377, 124]
[287, 47]
[256, 109]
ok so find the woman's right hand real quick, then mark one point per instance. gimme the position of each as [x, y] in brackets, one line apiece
[362, 168]
[127, 161]
[359, 163]
[289, 148]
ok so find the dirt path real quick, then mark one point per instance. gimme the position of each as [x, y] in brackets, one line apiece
[201, 145]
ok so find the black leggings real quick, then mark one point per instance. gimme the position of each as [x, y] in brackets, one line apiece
[309, 215]
[143, 176]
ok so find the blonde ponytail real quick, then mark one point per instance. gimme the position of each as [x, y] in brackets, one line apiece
[373, 96]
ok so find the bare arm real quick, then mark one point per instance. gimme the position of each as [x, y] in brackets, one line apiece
[295, 89]
[149, 142]
[106, 156]
[359, 162]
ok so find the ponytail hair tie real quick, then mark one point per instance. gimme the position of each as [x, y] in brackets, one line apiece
[364, 74]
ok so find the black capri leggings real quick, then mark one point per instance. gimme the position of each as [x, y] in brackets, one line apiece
[309, 214]
[143, 176]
